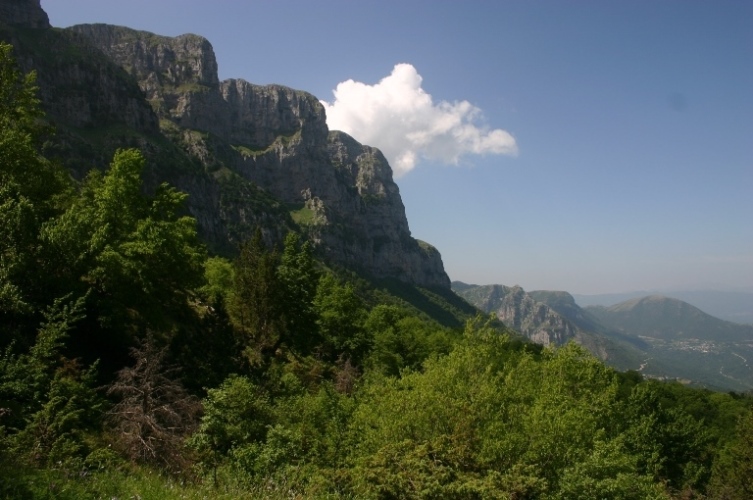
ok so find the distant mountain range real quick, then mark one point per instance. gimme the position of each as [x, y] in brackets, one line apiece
[736, 306]
[661, 337]
[666, 318]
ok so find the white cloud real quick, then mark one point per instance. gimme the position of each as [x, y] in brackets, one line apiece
[397, 116]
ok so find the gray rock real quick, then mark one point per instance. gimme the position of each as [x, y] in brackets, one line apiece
[25, 13]
[521, 312]
[341, 192]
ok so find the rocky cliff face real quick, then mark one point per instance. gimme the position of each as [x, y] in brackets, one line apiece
[79, 86]
[253, 142]
[25, 13]
[518, 310]
[177, 75]
[564, 304]
[553, 317]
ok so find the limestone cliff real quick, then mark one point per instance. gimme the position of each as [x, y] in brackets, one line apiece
[553, 317]
[24, 13]
[246, 154]
[518, 310]
[79, 86]
[338, 191]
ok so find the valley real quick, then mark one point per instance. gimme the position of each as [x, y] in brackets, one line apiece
[660, 337]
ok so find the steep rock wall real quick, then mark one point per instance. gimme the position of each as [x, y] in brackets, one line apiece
[25, 13]
[518, 310]
[341, 192]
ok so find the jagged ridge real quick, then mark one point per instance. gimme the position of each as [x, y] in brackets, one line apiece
[245, 139]
[518, 310]
[280, 141]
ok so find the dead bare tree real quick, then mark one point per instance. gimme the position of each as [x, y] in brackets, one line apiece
[155, 413]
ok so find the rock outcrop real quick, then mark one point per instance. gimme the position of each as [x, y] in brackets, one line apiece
[24, 13]
[79, 86]
[552, 317]
[518, 310]
[252, 142]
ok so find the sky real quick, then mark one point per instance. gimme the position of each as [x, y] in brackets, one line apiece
[592, 146]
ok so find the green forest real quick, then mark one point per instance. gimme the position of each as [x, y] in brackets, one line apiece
[134, 363]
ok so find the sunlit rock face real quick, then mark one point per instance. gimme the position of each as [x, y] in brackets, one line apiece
[270, 137]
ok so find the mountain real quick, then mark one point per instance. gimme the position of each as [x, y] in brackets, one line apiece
[519, 311]
[735, 306]
[684, 343]
[692, 344]
[26, 13]
[564, 304]
[247, 155]
[547, 317]
[669, 319]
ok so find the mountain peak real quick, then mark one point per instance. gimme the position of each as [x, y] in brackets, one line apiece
[519, 311]
[552, 297]
[662, 317]
[656, 303]
[183, 60]
[24, 13]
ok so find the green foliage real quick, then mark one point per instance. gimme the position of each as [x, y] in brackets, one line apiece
[441, 305]
[256, 305]
[31, 191]
[669, 443]
[547, 424]
[25, 379]
[299, 279]
[401, 340]
[303, 216]
[607, 473]
[56, 433]
[136, 253]
[321, 419]
[341, 314]
[733, 471]
[207, 345]
[49, 400]
[22, 130]
[236, 416]
[219, 276]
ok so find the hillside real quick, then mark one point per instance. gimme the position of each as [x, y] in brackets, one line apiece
[564, 304]
[661, 338]
[727, 305]
[669, 319]
[547, 317]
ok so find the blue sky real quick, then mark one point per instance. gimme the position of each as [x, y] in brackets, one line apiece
[595, 146]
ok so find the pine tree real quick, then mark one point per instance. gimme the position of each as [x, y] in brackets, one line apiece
[256, 304]
[299, 279]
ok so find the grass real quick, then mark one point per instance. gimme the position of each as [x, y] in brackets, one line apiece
[246, 152]
[303, 215]
[280, 140]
